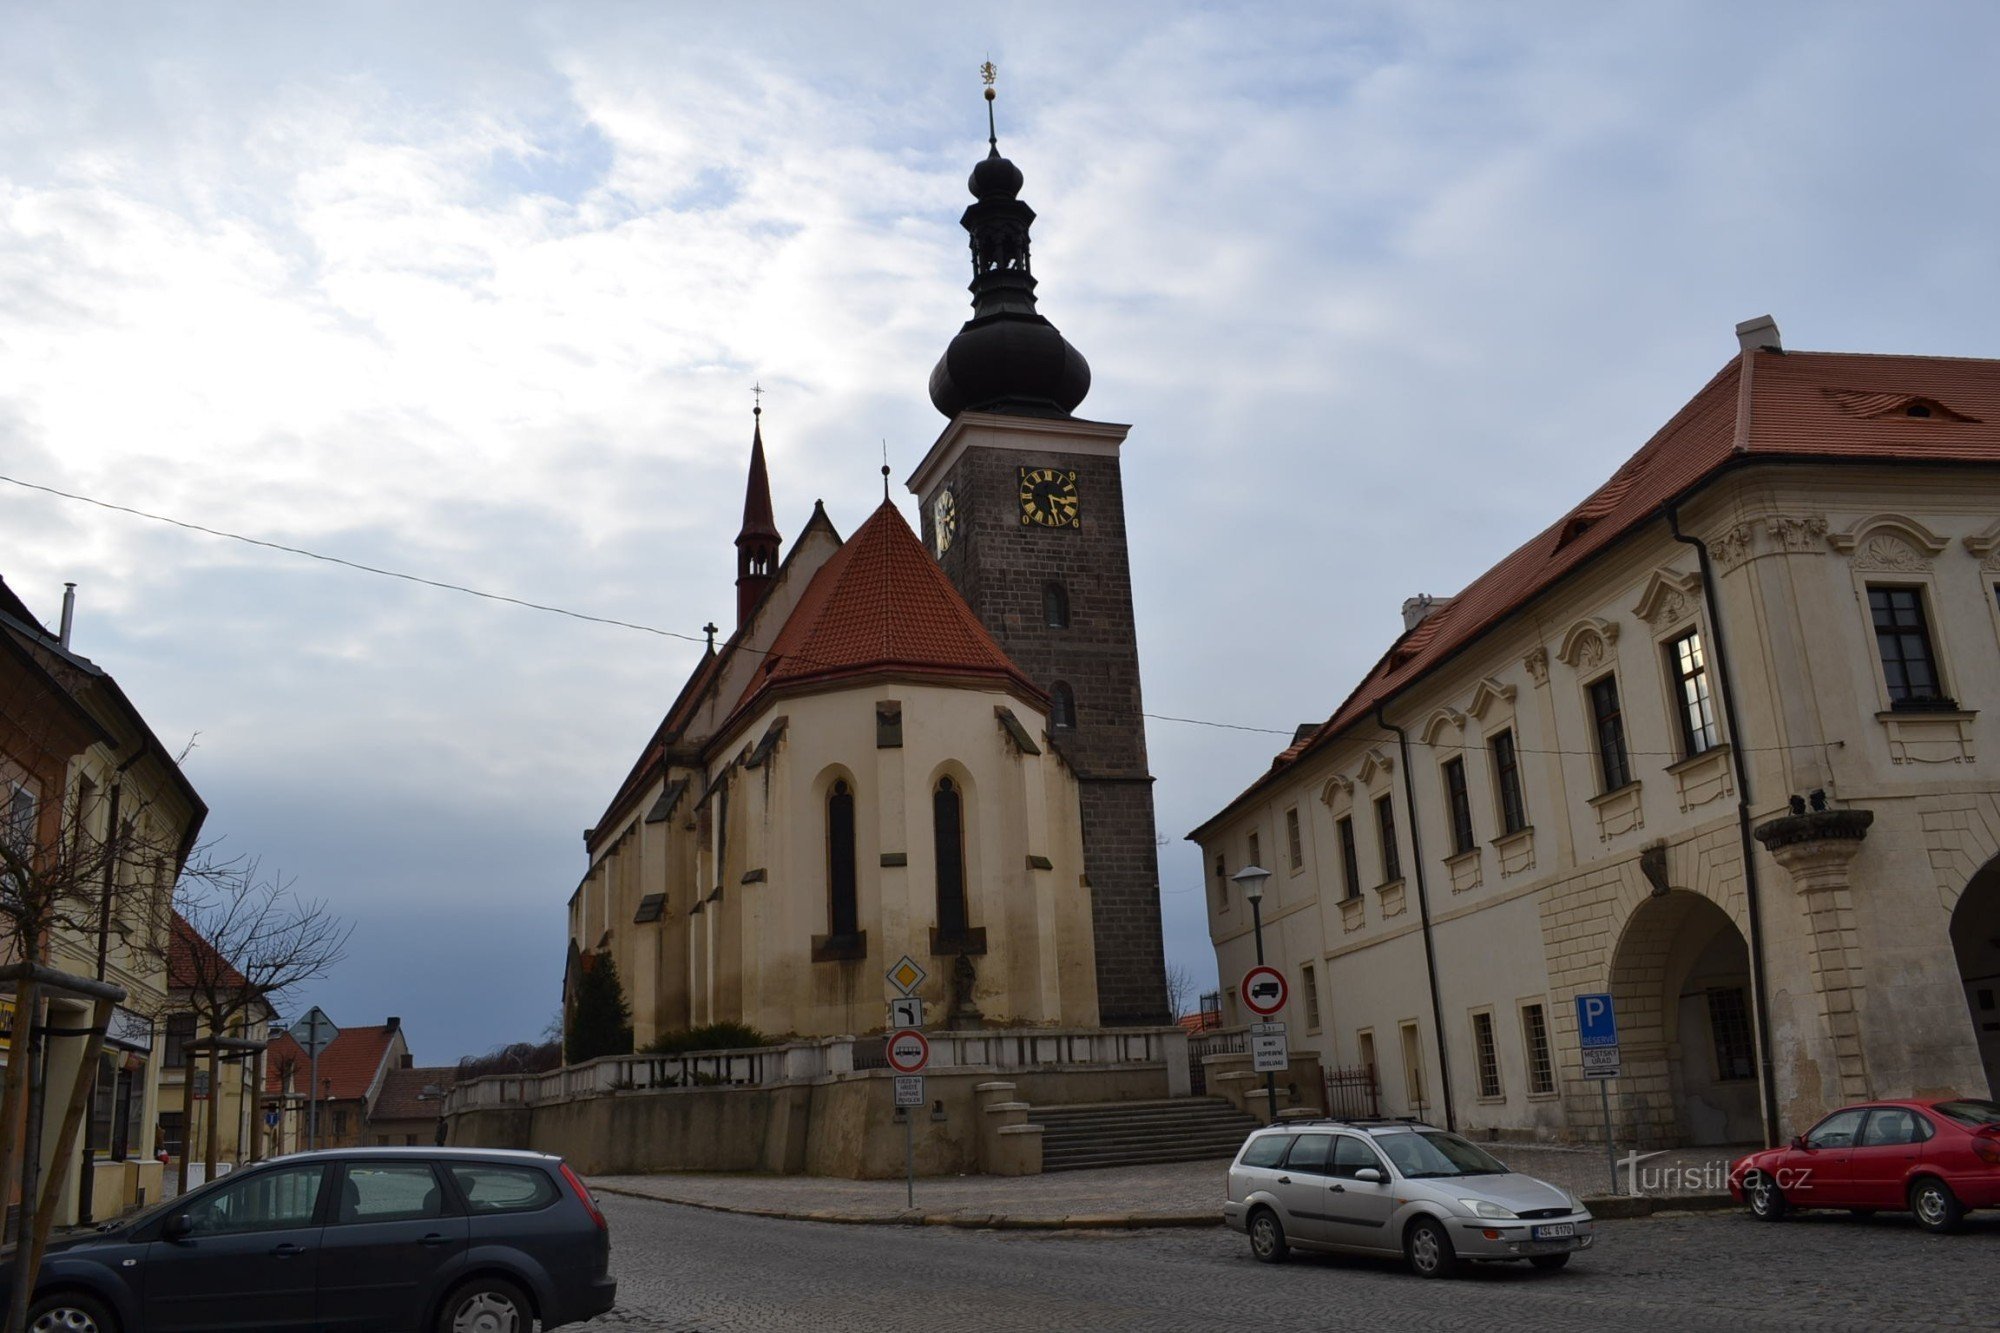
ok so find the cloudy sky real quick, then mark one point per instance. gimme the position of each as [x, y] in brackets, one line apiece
[478, 292]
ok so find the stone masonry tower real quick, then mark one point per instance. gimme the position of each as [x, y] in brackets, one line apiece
[1022, 503]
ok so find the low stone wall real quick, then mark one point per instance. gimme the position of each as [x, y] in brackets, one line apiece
[840, 1126]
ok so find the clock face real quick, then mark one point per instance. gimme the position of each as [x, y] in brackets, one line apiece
[944, 520]
[1048, 497]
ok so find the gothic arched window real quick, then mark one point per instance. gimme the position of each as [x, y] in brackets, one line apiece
[1062, 707]
[948, 831]
[843, 913]
[1055, 606]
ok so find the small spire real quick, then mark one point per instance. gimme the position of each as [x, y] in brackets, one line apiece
[885, 474]
[710, 629]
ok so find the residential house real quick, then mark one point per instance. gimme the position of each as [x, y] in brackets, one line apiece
[351, 1072]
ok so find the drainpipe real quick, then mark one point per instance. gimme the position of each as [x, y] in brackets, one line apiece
[1766, 1083]
[1424, 916]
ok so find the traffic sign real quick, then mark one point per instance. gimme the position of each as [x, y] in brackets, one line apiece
[908, 1051]
[909, 1089]
[271, 1119]
[1270, 1052]
[1596, 1021]
[1264, 990]
[906, 976]
[906, 1011]
[1600, 1062]
[314, 1032]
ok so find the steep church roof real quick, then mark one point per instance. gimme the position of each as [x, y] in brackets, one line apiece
[881, 604]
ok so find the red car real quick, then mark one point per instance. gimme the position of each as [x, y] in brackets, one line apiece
[1936, 1159]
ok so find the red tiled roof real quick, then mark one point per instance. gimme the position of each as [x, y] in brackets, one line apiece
[882, 604]
[349, 1062]
[401, 1096]
[192, 961]
[1832, 406]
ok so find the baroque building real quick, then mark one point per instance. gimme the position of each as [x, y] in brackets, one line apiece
[928, 747]
[1719, 743]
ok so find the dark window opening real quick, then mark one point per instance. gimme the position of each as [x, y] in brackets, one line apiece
[1385, 824]
[1614, 765]
[843, 914]
[1460, 801]
[1695, 711]
[1062, 707]
[948, 824]
[1507, 777]
[1055, 606]
[180, 1031]
[1903, 636]
[1350, 861]
[1917, 410]
[1729, 1025]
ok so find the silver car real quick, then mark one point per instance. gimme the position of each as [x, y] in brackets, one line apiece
[1396, 1187]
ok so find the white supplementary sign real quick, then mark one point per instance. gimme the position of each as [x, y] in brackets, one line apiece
[1270, 1052]
[906, 1011]
[909, 1089]
[908, 1052]
[1600, 1062]
[1264, 990]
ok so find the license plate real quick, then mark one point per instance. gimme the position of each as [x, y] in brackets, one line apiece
[1554, 1231]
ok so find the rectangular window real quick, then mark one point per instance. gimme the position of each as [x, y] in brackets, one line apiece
[1614, 766]
[1459, 801]
[180, 1031]
[1903, 636]
[1307, 979]
[1487, 1054]
[1385, 826]
[1413, 1068]
[1350, 861]
[172, 1123]
[1729, 1025]
[1221, 884]
[1535, 1035]
[1689, 668]
[1295, 851]
[1256, 853]
[1365, 1042]
[1507, 782]
[17, 821]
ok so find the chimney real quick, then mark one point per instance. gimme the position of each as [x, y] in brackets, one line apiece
[409, 1061]
[1417, 609]
[68, 614]
[393, 1023]
[1759, 335]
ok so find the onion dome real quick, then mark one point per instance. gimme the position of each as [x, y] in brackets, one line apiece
[1006, 358]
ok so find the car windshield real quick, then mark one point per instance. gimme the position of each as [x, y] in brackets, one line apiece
[1972, 1114]
[1430, 1153]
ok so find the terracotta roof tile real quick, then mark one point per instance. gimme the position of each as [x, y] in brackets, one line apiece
[1833, 406]
[401, 1096]
[349, 1062]
[193, 961]
[882, 604]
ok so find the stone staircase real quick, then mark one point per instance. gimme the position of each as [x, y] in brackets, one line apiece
[1185, 1129]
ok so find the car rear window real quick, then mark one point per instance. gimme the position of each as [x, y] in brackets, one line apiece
[1971, 1114]
[1269, 1150]
[503, 1189]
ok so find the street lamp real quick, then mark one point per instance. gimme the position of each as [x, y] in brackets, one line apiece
[1251, 879]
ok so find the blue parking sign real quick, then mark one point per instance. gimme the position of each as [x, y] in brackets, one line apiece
[1596, 1024]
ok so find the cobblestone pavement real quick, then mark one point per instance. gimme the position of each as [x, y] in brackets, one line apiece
[1183, 1191]
[683, 1270]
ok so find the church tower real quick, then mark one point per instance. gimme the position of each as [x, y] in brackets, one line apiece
[757, 544]
[1022, 503]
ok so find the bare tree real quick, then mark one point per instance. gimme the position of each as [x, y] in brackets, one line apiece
[244, 940]
[1180, 989]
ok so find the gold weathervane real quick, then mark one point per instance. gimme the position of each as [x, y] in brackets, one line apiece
[987, 73]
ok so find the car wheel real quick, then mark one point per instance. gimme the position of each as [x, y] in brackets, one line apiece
[1767, 1201]
[70, 1312]
[1429, 1250]
[1550, 1261]
[1936, 1207]
[487, 1305]
[1267, 1237]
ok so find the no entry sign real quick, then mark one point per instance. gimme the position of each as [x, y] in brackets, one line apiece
[1264, 990]
[909, 1051]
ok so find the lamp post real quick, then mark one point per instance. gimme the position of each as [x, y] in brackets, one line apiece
[1252, 878]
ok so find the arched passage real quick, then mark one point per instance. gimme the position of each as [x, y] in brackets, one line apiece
[1975, 938]
[1680, 980]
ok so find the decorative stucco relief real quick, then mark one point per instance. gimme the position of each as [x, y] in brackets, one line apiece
[1669, 597]
[1589, 644]
[1891, 542]
[1537, 665]
[1802, 535]
[1489, 695]
[1732, 548]
[1986, 545]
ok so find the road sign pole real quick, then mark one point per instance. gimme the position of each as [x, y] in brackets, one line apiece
[312, 1107]
[1610, 1154]
[910, 1155]
[1270, 1079]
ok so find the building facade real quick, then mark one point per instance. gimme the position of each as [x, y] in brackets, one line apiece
[1720, 743]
